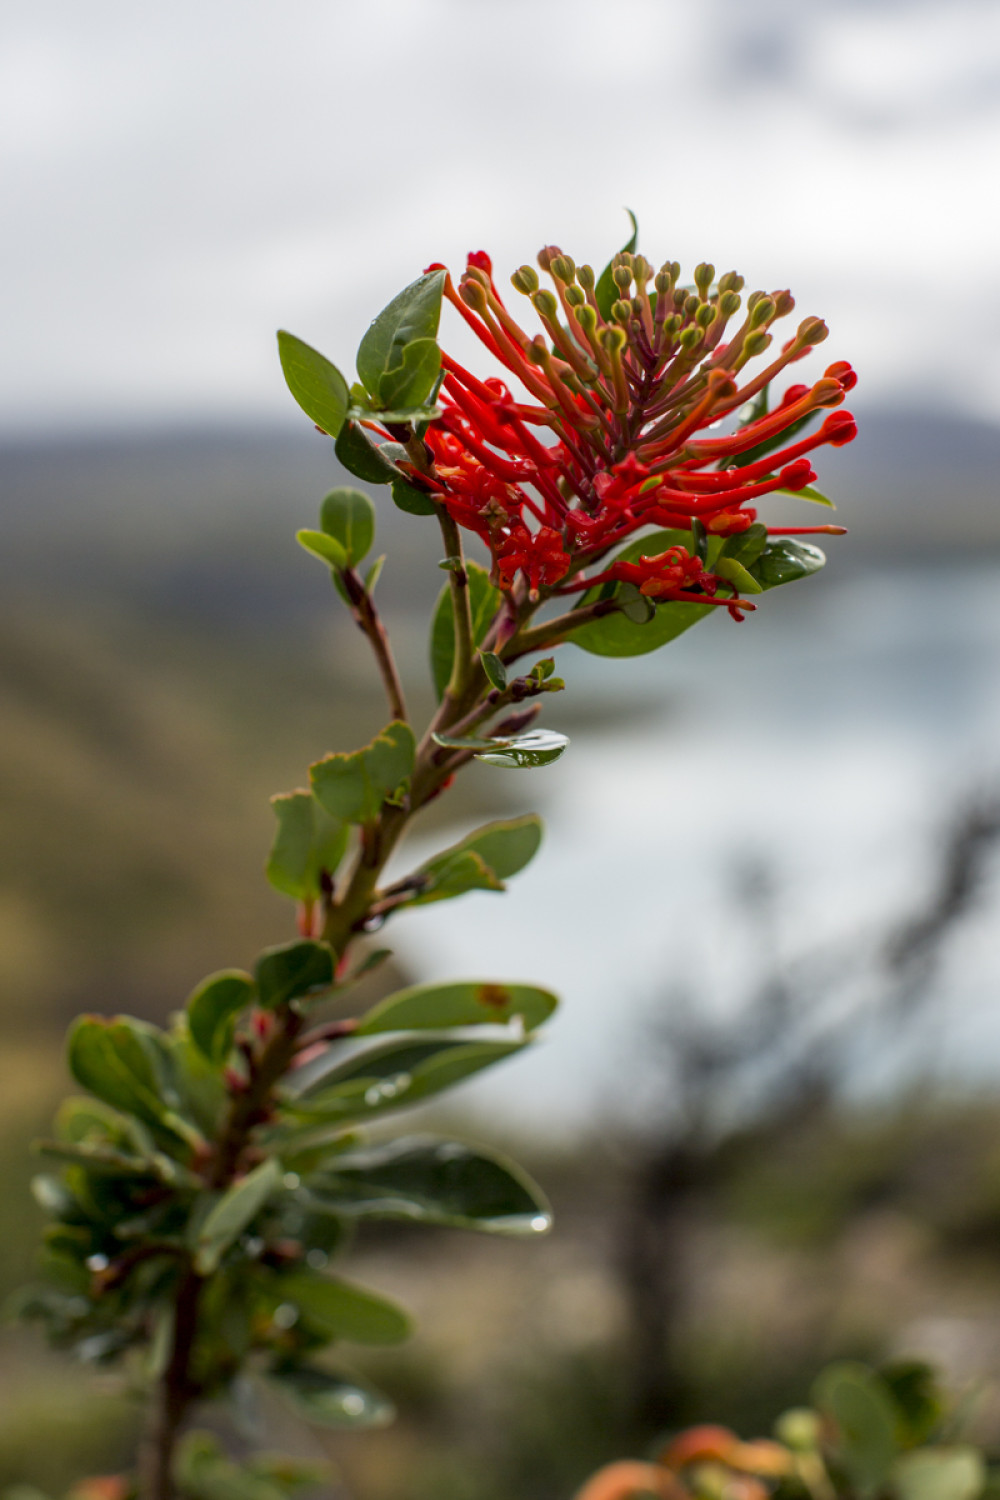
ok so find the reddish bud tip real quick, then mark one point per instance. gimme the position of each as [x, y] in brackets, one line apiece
[480, 260]
[435, 265]
[843, 372]
[839, 428]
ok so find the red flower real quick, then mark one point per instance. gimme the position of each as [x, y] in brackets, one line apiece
[620, 428]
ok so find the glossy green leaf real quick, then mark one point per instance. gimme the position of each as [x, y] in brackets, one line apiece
[354, 787]
[316, 384]
[411, 316]
[213, 1008]
[952, 1473]
[332, 1400]
[496, 672]
[809, 493]
[232, 1214]
[338, 1309]
[468, 1002]
[393, 1075]
[407, 497]
[348, 516]
[856, 1401]
[411, 381]
[308, 841]
[291, 971]
[605, 292]
[735, 573]
[746, 546]
[615, 634]
[436, 1182]
[326, 548]
[501, 849]
[363, 457]
[119, 1061]
[525, 752]
[484, 601]
[784, 560]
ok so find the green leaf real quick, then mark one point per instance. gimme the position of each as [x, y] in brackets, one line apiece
[308, 842]
[412, 380]
[326, 548]
[407, 497]
[520, 752]
[496, 672]
[484, 601]
[735, 573]
[120, 1061]
[914, 1388]
[746, 546]
[316, 384]
[501, 850]
[953, 1473]
[785, 560]
[234, 1211]
[354, 787]
[332, 1400]
[212, 1010]
[374, 573]
[436, 1182]
[412, 315]
[470, 1002]
[338, 1309]
[863, 1413]
[605, 291]
[365, 458]
[393, 1075]
[348, 516]
[292, 970]
[808, 493]
[615, 634]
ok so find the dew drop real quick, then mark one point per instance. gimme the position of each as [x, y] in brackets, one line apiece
[291, 1181]
[317, 1259]
[285, 1315]
[97, 1263]
[540, 1223]
[373, 1095]
[353, 1404]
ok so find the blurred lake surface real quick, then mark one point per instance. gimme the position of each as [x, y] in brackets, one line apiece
[827, 741]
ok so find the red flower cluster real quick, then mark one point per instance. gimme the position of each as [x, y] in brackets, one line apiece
[615, 432]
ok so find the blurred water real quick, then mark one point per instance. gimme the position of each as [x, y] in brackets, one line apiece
[829, 736]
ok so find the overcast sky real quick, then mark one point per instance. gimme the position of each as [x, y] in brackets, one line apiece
[179, 180]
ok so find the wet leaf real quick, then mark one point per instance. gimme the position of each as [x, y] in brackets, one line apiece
[411, 316]
[292, 970]
[521, 752]
[407, 497]
[809, 493]
[470, 1002]
[496, 672]
[412, 380]
[234, 1211]
[785, 560]
[436, 1182]
[503, 848]
[332, 1400]
[317, 385]
[363, 457]
[338, 1309]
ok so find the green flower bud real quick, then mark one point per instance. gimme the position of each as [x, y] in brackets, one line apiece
[563, 268]
[729, 303]
[731, 282]
[672, 325]
[621, 311]
[545, 304]
[525, 279]
[706, 315]
[585, 276]
[641, 270]
[704, 275]
[662, 283]
[691, 338]
[473, 294]
[756, 342]
[538, 351]
[613, 340]
[622, 277]
[784, 302]
[761, 313]
[799, 1429]
[586, 316]
[811, 331]
[692, 302]
[574, 296]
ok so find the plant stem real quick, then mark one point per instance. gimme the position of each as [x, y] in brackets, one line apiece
[369, 620]
[461, 608]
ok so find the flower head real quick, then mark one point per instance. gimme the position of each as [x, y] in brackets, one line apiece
[623, 424]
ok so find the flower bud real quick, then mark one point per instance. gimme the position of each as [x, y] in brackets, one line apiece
[622, 278]
[574, 296]
[761, 313]
[729, 303]
[586, 316]
[621, 311]
[839, 428]
[546, 255]
[585, 276]
[691, 338]
[538, 351]
[756, 342]
[641, 270]
[563, 268]
[706, 315]
[525, 279]
[672, 325]
[704, 275]
[811, 331]
[544, 303]
[473, 294]
[843, 372]
[662, 283]
[784, 303]
[827, 393]
[613, 340]
[731, 282]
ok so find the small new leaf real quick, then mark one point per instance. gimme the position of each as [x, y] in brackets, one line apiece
[355, 787]
[234, 1211]
[291, 971]
[348, 516]
[213, 1008]
[496, 672]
